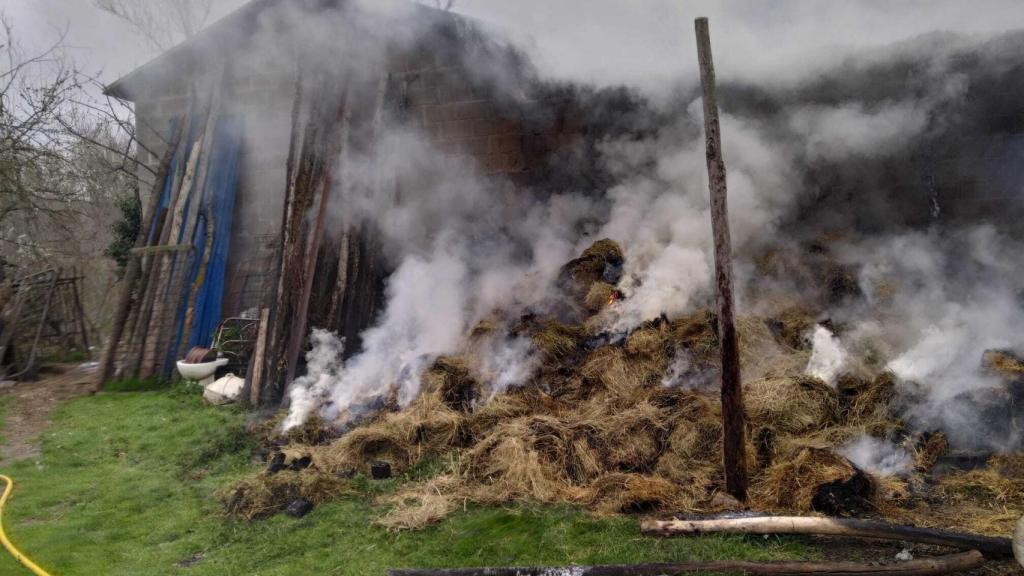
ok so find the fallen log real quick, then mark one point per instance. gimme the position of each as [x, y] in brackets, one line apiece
[924, 567]
[987, 545]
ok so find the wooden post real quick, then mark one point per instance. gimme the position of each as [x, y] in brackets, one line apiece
[256, 378]
[732, 389]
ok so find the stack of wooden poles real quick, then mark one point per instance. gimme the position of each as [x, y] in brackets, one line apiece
[321, 268]
[159, 279]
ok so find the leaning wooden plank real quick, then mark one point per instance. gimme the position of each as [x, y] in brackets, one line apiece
[131, 274]
[177, 287]
[335, 149]
[989, 546]
[922, 567]
[151, 283]
[256, 378]
[155, 320]
[278, 297]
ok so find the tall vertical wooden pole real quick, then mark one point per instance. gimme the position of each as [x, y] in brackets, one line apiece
[732, 390]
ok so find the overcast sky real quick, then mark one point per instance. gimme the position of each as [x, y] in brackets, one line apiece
[641, 42]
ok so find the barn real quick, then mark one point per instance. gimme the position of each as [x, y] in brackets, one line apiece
[246, 125]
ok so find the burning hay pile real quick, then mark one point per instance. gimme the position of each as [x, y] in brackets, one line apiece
[631, 423]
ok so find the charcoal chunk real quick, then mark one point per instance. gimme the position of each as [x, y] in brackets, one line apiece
[299, 508]
[276, 463]
[380, 470]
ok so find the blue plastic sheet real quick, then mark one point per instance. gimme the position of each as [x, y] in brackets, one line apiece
[218, 202]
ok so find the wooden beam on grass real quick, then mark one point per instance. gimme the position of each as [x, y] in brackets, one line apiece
[850, 527]
[922, 567]
[732, 389]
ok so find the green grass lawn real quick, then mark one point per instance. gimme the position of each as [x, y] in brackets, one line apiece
[126, 485]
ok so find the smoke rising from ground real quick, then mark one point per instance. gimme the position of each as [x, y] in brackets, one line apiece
[828, 358]
[860, 158]
[878, 456]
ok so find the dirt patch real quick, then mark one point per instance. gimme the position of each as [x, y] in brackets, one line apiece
[29, 405]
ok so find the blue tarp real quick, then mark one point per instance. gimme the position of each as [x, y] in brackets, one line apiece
[218, 201]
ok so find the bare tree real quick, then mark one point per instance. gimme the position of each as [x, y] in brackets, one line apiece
[33, 87]
[162, 23]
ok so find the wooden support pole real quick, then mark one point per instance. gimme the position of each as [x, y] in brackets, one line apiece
[922, 567]
[258, 367]
[850, 527]
[732, 389]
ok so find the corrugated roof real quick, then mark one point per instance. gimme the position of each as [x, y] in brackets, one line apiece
[224, 32]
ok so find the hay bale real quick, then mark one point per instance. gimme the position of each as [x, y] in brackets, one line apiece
[486, 328]
[401, 439]
[1001, 482]
[557, 341]
[1003, 363]
[501, 408]
[814, 479]
[652, 340]
[685, 404]
[928, 449]
[431, 424]
[633, 437]
[791, 327]
[524, 458]
[262, 496]
[599, 296]
[421, 505]
[864, 401]
[791, 405]
[699, 478]
[623, 493]
[891, 494]
[601, 263]
[452, 380]
[605, 250]
[697, 441]
[697, 333]
[612, 369]
[358, 449]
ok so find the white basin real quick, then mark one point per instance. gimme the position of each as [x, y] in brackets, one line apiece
[202, 373]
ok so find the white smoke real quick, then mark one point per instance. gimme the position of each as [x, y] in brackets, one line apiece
[506, 363]
[464, 246]
[828, 357]
[878, 456]
[323, 367]
[950, 298]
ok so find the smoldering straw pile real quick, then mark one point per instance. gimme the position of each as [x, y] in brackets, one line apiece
[630, 423]
[863, 327]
